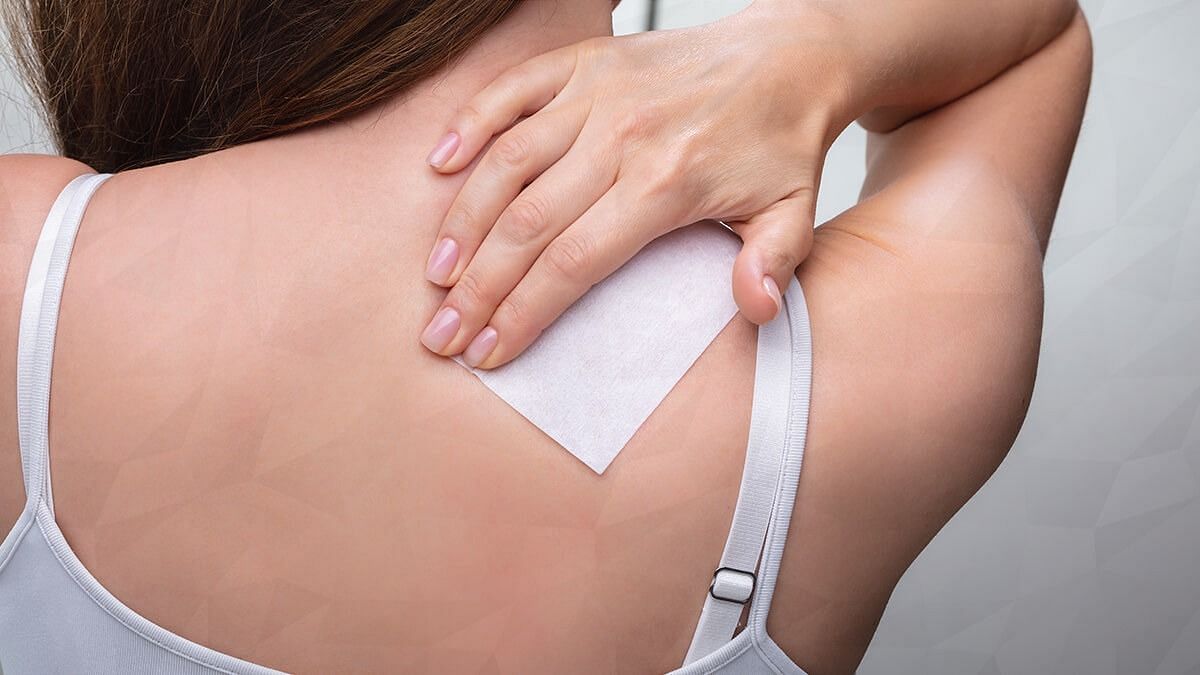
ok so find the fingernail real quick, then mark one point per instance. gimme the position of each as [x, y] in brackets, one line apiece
[444, 150]
[772, 290]
[481, 347]
[441, 329]
[442, 261]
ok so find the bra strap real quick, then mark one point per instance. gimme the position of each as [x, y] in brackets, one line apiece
[39, 322]
[789, 480]
[736, 579]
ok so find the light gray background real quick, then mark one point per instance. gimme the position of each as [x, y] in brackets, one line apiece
[1082, 554]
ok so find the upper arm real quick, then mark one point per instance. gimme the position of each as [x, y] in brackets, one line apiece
[28, 186]
[926, 302]
[1021, 127]
[942, 257]
[944, 252]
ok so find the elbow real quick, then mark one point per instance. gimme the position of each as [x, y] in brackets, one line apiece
[1068, 67]
[1079, 36]
[1074, 43]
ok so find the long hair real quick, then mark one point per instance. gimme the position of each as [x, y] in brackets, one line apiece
[131, 83]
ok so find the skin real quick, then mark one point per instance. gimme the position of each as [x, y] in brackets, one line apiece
[620, 140]
[251, 449]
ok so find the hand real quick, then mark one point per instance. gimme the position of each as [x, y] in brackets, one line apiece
[623, 140]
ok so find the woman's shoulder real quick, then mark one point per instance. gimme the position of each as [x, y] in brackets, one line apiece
[26, 177]
[28, 186]
[926, 310]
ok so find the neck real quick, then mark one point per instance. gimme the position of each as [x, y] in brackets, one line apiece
[398, 134]
[370, 168]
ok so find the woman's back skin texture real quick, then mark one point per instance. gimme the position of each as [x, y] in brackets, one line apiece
[251, 448]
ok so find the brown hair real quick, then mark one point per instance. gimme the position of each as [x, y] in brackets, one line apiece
[129, 83]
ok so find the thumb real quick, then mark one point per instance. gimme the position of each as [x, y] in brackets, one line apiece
[775, 242]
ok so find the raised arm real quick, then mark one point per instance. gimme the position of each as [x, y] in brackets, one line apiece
[1018, 132]
[922, 54]
[926, 301]
[628, 138]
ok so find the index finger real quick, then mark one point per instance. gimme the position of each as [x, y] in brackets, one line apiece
[604, 238]
[519, 91]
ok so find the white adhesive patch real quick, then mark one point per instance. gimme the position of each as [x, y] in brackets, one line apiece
[597, 373]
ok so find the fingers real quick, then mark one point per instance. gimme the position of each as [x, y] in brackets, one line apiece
[517, 92]
[513, 161]
[775, 242]
[522, 232]
[600, 242]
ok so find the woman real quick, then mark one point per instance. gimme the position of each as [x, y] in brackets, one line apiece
[251, 450]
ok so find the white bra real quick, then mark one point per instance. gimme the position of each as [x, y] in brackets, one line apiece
[55, 617]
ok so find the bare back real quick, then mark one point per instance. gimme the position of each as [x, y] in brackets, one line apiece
[252, 449]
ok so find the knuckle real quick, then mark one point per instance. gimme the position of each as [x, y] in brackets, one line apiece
[470, 292]
[514, 315]
[506, 82]
[807, 234]
[636, 123]
[459, 220]
[687, 155]
[520, 321]
[469, 117]
[778, 257]
[512, 82]
[679, 172]
[570, 256]
[664, 180]
[525, 220]
[805, 192]
[512, 150]
[594, 51]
